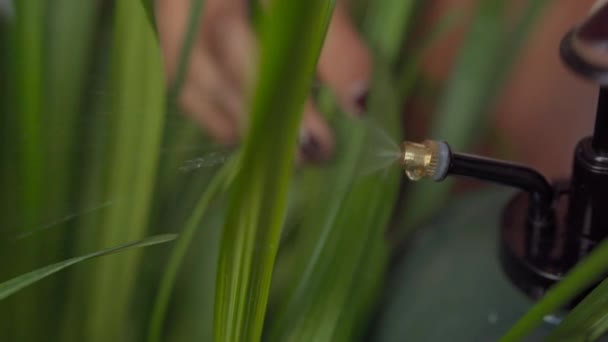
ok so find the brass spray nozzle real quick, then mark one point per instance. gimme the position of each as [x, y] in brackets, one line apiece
[428, 159]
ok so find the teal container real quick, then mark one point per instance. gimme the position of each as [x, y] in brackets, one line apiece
[448, 284]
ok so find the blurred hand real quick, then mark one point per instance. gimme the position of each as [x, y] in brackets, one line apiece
[223, 62]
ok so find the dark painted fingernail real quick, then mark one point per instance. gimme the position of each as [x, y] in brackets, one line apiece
[361, 102]
[595, 28]
[310, 147]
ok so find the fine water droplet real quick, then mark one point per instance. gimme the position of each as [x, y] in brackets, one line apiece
[382, 152]
[209, 160]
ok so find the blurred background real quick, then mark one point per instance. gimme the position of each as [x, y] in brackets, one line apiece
[544, 108]
[97, 152]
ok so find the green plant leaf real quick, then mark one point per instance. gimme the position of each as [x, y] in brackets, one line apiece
[136, 121]
[341, 254]
[148, 6]
[341, 251]
[585, 274]
[386, 24]
[9, 287]
[194, 22]
[194, 221]
[28, 81]
[291, 38]
[409, 72]
[26, 122]
[589, 319]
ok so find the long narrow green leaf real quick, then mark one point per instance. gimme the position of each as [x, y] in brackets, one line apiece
[164, 293]
[27, 71]
[185, 133]
[385, 26]
[588, 321]
[344, 233]
[28, 58]
[319, 240]
[580, 278]
[90, 170]
[149, 7]
[66, 70]
[291, 37]
[12, 286]
[136, 124]
[196, 13]
[409, 72]
[68, 61]
[341, 250]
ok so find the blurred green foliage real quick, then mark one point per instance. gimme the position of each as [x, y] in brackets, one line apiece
[95, 154]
